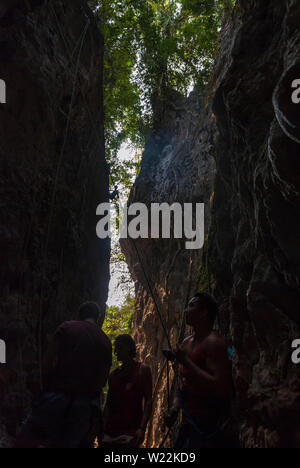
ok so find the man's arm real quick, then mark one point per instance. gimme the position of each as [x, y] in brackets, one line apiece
[171, 415]
[216, 379]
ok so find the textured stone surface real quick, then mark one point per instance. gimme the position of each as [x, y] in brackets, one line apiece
[177, 166]
[53, 176]
[253, 246]
[255, 235]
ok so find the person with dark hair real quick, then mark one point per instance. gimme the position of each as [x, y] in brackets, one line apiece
[76, 368]
[129, 400]
[205, 384]
[91, 311]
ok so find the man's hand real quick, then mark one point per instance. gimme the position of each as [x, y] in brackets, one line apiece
[181, 354]
[170, 417]
[139, 436]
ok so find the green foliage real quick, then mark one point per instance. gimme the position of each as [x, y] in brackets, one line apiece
[118, 321]
[125, 172]
[151, 45]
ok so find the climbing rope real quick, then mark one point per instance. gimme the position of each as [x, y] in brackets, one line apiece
[59, 27]
[164, 439]
[180, 338]
[168, 384]
[152, 293]
[81, 41]
[161, 321]
[52, 206]
[52, 203]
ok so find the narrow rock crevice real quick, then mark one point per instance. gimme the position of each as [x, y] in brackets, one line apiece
[53, 176]
[251, 261]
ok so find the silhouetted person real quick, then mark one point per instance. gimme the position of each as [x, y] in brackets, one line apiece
[76, 369]
[129, 400]
[205, 384]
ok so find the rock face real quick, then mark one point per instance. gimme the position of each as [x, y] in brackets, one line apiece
[255, 250]
[177, 167]
[53, 175]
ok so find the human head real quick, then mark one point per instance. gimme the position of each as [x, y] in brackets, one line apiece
[91, 311]
[202, 311]
[125, 348]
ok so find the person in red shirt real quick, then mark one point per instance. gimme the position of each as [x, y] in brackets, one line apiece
[76, 369]
[205, 383]
[129, 400]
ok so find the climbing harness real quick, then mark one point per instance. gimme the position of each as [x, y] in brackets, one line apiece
[192, 422]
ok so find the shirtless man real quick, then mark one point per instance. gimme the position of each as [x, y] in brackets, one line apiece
[205, 386]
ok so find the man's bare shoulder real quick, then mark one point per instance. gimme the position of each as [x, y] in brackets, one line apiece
[214, 341]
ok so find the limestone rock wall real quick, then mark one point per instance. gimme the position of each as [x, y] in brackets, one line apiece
[253, 247]
[177, 166]
[53, 175]
[254, 252]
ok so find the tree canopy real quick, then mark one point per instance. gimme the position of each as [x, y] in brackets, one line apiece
[151, 45]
